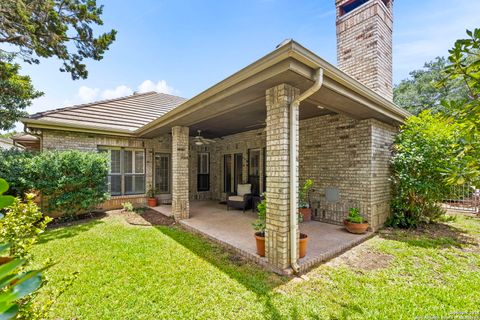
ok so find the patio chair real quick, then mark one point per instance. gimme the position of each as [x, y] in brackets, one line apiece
[242, 199]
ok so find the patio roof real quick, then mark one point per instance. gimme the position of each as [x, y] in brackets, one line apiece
[238, 102]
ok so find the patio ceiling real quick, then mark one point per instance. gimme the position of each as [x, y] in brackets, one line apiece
[238, 103]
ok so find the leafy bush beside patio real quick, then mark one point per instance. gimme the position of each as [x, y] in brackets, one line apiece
[69, 181]
[422, 151]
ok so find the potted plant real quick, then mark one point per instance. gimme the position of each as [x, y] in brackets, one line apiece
[303, 201]
[260, 225]
[302, 248]
[355, 223]
[151, 200]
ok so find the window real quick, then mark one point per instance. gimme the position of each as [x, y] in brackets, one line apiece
[238, 174]
[162, 172]
[254, 170]
[203, 172]
[126, 171]
[232, 176]
[227, 173]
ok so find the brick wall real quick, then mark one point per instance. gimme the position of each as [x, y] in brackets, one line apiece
[180, 169]
[364, 44]
[352, 157]
[69, 140]
[334, 150]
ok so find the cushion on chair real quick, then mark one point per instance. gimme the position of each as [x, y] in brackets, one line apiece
[243, 189]
[235, 198]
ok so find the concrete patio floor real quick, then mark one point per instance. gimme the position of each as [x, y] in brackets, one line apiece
[234, 229]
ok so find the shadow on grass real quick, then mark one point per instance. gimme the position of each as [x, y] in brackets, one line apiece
[436, 235]
[68, 230]
[252, 277]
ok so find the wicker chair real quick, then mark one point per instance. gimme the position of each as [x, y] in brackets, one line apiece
[241, 200]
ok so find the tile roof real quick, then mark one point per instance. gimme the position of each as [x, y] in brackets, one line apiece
[126, 113]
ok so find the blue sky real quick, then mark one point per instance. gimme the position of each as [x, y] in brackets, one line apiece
[183, 47]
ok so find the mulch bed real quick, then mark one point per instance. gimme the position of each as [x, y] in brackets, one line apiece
[79, 219]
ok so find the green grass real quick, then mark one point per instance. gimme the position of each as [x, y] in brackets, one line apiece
[127, 272]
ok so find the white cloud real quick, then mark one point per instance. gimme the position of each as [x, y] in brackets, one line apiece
[120, 91]
[87, 94]
[161, 86]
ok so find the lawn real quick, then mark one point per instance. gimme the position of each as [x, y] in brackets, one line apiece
[138, 272]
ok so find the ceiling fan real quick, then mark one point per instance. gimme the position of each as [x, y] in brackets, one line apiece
[200, 141]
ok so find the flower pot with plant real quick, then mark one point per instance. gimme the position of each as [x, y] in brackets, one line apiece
[355, 223]
[304, 209]
[260, 225]
[151, 199]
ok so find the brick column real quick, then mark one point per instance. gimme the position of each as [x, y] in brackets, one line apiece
[180, 204]
[277, 243]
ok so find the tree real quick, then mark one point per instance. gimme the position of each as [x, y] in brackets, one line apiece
[465, 67]
[38, 29]
[421, 150]
[420, 92]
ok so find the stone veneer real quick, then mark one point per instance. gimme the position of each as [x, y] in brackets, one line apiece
[364, 44]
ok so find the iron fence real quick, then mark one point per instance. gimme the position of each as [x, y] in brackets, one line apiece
[463, 198]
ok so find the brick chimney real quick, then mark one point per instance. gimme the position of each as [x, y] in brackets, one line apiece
[364, 42]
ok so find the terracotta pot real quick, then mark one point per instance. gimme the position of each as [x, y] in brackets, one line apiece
[260, 239]
[357, 228]
[306, 213]
[152, 202]
[303, 245]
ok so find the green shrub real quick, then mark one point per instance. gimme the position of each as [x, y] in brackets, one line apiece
[16, 167]
[71, 182]
[422, 150]
[127, 206]
[16, 285]
[22, 224]
[354, 216]
[260, 224]
[303, 194]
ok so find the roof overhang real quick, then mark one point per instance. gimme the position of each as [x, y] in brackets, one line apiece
[54, 125]
[244, 92]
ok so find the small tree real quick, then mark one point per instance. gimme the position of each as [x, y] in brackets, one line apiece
[421, 150]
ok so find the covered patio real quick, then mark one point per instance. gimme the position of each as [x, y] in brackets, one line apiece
[233, 229]
[286, 118]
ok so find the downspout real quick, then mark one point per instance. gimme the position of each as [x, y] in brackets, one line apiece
[294, 106]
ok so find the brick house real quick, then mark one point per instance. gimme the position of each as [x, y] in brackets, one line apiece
[286, 117]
